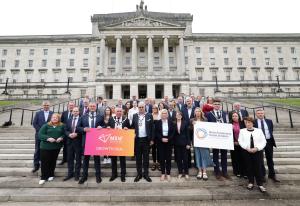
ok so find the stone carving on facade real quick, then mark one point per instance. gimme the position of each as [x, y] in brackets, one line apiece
[142, 22]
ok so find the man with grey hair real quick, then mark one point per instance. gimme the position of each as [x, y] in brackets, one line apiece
[142, 123]
[39, 120]
[237, 108]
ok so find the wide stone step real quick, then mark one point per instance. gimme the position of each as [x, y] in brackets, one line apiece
[137, 195]
[131, 172]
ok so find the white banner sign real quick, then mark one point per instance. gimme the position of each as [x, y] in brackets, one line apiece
[213, 135]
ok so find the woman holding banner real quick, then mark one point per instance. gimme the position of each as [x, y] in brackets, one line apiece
[107, 116]
[202, 155]
[253, 141]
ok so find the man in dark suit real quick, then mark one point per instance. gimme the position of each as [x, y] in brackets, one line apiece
[266, 125]
[73, 132]
[142, 123]
[237, 108]
[85, 107]
[217, 115]
[118, 122]
[65, 116]
[148, 106]
[120, 104]
[39, 120]
[180, 103]
[90, 120]
[172, 112]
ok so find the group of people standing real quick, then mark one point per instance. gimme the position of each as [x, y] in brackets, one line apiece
[164, 128]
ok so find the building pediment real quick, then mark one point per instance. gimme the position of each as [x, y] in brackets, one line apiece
[142, 22]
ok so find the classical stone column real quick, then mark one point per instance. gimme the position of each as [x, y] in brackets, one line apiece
[116, 91]
[134, 54]
[168, 90]
[102, 55]
[180, 62]
[166, 54]
[151, 90]
[118, 54]
[150, 53]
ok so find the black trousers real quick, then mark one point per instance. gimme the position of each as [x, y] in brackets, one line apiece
[223, 161]
[37, 155]
[189, 152]
[155, 152]
[142, 155]
[48, 162]
[165, 152]
[269, 156]
[74, 153]
[114, 167]
[254, 165]
[182, 159]
[86, 162]
[237, 160]
[65, 151]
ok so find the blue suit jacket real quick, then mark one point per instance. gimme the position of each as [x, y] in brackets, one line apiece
[269, 122]
[78, 130]
[211, 118]
[39, 120]
[185, 113]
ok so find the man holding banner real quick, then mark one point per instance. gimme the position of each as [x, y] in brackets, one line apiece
[217, 115]
[91, 120]
[118, 122]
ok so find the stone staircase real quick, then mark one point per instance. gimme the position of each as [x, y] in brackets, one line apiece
[18, 186]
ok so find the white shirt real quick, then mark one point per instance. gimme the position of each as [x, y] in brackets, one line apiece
[46, 115]
[142, 127]
[267, 132]
[165, 127]
[90, 119]
[118, 122]
[190, 112]
[131, 112]
[258, 139]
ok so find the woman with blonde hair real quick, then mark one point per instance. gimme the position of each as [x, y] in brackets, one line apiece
[52, 137]
[202, 155]
[154, 149]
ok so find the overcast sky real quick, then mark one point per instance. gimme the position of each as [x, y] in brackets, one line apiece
[27, 17]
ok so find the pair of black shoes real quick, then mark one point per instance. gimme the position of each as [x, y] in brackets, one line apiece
[35, 169]
[84, 179]
[112, 178]
[70, 177]
[139, 177]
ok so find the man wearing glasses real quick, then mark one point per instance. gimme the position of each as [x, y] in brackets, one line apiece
[142, 123]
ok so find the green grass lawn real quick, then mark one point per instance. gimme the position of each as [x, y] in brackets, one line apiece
[290, 102]
[10, 103]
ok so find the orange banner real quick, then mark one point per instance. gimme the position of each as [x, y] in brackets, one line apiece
[110, 142]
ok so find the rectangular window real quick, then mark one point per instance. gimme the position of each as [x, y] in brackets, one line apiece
[255, 74]
[252, 50]
[242, 75]
[280, 61]
[199, 73]
[3, 63]
[156, 60]
[214, 74]
[171, 60]
[113, 61]
[31, 52]
[186, 60]
[212, 61]
[86, 50]
[199, 61]
[127, 49]
[85, 62]
[57, 62]
[265, 50]
[253, 61]
[98, 49]
[267, 61]
[295, 61]
[127, 61]
[142, 61]
[98, 61]
[45, 51]
[17, 63]
[293, 50]
[279, 51]
[71, 62]
[225, 50]
[226, 61]
[72, 51]
[58, 51]
[4, 52]
[283, 74]
[142, 49]
[113, 50]
[156, 49]
[211, 50]
[30, 63]
[270, 74]
[238, 50]
[170, 49]
[228, 75]
[198, 50]
[240, 61]
[18, 52]
[185, 49]
[84, 79]
[44, 63]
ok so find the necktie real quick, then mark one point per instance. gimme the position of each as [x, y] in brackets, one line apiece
[251, 142]
[93, 121]
[262, 126]
[73, 124]
[241, 116]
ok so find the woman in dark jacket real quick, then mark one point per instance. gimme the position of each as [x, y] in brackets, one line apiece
[182, 142]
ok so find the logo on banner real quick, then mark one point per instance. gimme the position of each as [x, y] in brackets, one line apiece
[201, 133]
[108, 137]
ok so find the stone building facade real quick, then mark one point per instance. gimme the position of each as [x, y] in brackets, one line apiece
[149, 54]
